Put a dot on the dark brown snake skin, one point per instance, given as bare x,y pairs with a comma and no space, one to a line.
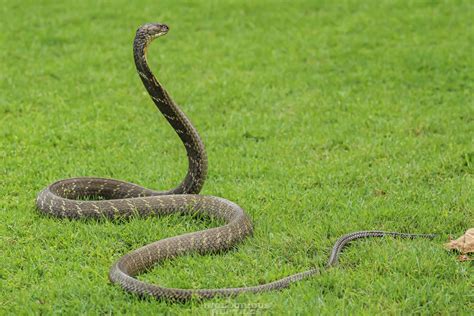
68,199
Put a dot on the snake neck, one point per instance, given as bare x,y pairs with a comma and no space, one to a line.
197,158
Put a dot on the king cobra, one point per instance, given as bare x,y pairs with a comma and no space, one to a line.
77,198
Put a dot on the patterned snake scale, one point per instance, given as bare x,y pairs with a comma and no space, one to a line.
71,198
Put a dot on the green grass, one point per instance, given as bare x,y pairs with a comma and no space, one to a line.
319,119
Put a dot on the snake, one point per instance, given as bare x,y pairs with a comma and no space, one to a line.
99,198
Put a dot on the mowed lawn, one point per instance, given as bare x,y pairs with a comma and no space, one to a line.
320,118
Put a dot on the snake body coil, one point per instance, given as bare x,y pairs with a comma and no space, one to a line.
67,199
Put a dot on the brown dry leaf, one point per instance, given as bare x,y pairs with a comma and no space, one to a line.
463,258
464,244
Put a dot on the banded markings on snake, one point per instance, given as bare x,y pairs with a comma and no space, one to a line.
71,198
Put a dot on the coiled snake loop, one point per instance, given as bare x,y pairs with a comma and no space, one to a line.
66,199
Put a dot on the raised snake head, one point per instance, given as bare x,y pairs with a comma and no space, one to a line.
153,30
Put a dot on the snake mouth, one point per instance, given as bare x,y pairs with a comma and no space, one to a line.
164,28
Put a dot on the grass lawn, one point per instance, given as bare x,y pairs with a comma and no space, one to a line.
320,118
